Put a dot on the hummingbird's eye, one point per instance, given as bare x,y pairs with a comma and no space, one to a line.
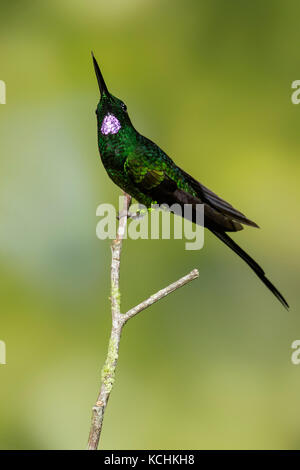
124,107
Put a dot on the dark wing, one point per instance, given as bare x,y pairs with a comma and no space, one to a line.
162,189
157,176
218,203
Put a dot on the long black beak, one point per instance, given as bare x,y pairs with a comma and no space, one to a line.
102,86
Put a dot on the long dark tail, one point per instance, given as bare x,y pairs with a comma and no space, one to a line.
253,265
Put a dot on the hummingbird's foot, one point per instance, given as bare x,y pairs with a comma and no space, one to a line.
139,214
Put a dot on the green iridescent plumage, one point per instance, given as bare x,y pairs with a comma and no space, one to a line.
132,161
143,170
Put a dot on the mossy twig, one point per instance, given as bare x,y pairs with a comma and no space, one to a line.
118,321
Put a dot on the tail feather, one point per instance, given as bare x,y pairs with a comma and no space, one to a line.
253,265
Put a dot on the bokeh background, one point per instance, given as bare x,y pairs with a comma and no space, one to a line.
210,366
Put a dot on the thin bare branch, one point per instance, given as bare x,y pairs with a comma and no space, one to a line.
108,370
118,321
160,294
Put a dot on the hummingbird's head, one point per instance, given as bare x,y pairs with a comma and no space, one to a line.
111,111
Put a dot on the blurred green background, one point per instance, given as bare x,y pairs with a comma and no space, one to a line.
210,82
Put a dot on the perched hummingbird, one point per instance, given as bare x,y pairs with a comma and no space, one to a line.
139,167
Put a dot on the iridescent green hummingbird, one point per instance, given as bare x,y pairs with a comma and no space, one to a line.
139,167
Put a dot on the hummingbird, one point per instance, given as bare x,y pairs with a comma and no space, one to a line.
144,171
